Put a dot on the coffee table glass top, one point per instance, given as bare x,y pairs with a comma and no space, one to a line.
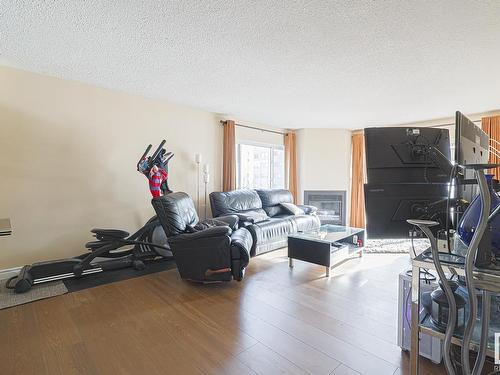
327,233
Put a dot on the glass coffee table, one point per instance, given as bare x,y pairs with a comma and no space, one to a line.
328,246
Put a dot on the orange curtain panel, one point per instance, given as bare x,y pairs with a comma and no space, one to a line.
491,125
291,165
229,157
358,179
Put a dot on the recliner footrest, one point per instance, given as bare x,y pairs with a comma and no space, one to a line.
241,244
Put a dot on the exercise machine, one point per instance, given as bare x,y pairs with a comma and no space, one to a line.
472,261
478,233
155,168
112,248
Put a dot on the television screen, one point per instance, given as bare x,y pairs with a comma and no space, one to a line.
472,147
388,206
393,155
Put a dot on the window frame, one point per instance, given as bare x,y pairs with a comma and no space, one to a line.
271,147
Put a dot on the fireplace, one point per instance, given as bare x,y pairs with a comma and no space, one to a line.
330,203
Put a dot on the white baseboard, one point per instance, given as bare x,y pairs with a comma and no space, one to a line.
9,272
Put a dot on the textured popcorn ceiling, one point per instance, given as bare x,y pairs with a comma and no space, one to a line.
345,64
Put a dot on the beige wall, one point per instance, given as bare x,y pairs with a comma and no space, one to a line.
68,152
67,161
324,160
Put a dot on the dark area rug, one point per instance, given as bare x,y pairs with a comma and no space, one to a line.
10,299
102,278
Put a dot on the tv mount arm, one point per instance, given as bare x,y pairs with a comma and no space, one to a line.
441,161
436,156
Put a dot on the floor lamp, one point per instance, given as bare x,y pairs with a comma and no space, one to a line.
206,179
197,159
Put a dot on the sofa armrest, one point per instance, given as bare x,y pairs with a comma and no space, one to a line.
230,220
251,218
241,244
308,210
242,239
245,218
221,231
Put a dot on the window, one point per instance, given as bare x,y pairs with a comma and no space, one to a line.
260,166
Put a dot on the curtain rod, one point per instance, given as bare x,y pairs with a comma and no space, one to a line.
255,128
282,133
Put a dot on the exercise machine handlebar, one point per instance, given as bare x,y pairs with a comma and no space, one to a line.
151,159
144,155
157,152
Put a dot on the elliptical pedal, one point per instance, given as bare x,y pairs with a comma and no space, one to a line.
22,282
145,251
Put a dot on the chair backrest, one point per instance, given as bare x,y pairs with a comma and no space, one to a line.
176,212
271,199
235,201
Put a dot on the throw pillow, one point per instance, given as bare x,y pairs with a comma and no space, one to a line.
292,209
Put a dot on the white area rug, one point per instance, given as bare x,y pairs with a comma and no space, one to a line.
395,246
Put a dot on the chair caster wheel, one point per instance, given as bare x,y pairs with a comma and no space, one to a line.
139,265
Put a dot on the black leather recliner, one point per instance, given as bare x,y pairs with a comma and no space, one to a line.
207,251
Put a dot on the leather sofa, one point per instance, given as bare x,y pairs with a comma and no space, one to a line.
205,251
260,212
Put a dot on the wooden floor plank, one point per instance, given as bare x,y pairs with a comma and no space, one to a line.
347,333
342,309
310,280
342,351
276,321
345,309
221,309
265,361
296,351
344,370
201,342
17,323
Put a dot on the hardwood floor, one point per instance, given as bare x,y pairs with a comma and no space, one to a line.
277,321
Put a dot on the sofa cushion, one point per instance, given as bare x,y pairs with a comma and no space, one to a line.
229,202
271,199
275,211
271,234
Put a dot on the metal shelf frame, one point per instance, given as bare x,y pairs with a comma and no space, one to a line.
484,279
